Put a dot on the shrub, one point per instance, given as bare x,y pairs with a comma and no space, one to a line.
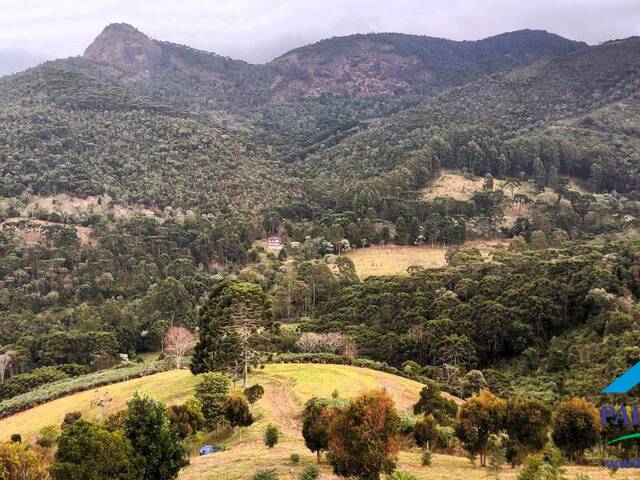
186,418
400,475
48,436
426,458
271,435
310,472
295,458
254,393
237,410
20,462
16,438
266,474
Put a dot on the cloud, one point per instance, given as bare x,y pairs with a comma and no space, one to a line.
257,31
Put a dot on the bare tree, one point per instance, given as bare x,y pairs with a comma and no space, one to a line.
334,342
309,342
177,341
6,359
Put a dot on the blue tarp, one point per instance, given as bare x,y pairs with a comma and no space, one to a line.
207,449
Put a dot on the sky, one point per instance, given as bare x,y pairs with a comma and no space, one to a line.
259,30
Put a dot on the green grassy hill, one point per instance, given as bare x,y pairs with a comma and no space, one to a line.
287,387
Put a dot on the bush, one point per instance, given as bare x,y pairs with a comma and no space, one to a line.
271,435
254,393
16,438
400,475
267,474
48,436
212,391
295,458
426,458
310,472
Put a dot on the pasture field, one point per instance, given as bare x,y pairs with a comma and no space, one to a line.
394,259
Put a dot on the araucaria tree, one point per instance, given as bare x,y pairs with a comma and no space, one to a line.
480,417
363,437
229,324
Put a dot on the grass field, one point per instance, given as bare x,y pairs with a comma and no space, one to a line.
287,387
394,259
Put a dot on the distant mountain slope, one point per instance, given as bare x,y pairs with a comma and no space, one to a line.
316,94
522,101
62,131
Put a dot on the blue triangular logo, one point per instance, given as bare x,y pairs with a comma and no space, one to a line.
625,382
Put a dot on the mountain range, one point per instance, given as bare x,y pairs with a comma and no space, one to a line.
162,124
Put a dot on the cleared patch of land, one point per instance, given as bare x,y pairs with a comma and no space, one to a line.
394,259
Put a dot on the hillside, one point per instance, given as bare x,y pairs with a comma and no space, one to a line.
501,110
287,387
65,132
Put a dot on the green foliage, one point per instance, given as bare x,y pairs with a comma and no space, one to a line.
212,391
294,458
527,423
266,474
237,410
426,458
402,475
480,417
254,393
271,435
432,402
21,462
88,451
187,418
546,466
48,436
317,417
310,472
426,432
147,426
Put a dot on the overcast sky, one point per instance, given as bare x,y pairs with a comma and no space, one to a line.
259,30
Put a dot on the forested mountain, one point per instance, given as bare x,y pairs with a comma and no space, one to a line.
313,93
500,123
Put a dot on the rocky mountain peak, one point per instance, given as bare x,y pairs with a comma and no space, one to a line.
127,49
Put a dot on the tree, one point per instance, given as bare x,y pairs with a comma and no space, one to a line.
363,437
87,451
254,393
473,382
169,299
317,416
271,435
237,410
402,231
527,423
480,417
431,402
147,426
576,426
212,391
19,462
488,182
177,342
186,418
250,310
425,431
6,360
229,323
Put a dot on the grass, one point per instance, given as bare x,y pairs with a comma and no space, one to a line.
171,386
287,387
394,259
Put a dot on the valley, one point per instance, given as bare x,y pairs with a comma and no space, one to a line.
407,256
